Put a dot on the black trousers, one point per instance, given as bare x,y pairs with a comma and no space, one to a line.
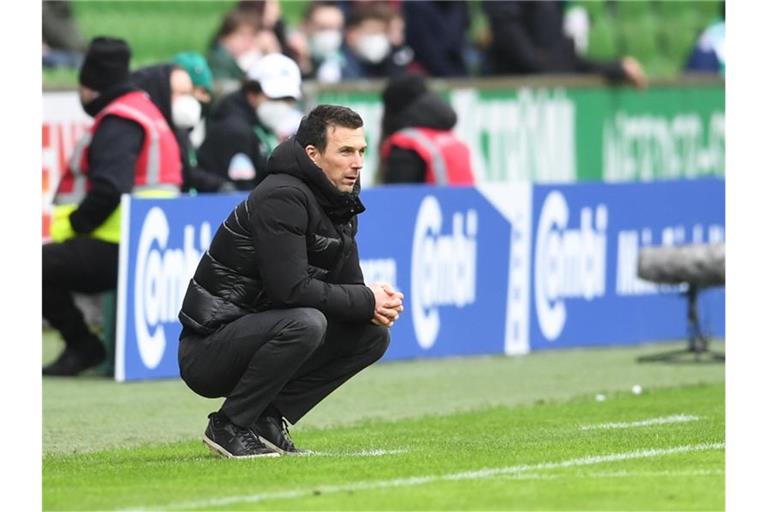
82,265
289,358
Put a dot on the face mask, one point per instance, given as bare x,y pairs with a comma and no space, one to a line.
248,59
325,43
272,114
185,112
373,47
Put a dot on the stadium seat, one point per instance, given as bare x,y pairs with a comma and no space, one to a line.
638,38
602,41
155,30
631,11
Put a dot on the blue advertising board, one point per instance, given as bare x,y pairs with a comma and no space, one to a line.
447,250
161,243
586,239
505,268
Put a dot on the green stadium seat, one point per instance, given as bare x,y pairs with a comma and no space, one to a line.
639,38
602,41
630,11
155,30
662,67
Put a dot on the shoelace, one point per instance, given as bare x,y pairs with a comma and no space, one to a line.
249,439
286,434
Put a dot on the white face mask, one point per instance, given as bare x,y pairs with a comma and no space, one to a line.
272,114
325,43
373,47
185,112
248,59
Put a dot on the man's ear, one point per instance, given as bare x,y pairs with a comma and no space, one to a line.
312,153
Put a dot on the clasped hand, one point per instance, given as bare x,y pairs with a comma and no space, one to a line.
389,304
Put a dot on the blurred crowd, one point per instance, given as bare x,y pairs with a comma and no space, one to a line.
231,106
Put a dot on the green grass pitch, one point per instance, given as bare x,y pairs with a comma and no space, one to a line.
480,433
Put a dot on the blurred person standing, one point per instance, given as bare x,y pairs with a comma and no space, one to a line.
129,149
247,124
437,33
277,315
418,144
528,38
367,50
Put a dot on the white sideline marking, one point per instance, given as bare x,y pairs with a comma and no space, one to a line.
678,418
420,480
614,474
363,453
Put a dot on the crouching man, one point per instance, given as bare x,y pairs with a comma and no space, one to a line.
277,315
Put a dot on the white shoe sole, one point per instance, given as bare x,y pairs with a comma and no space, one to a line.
220,451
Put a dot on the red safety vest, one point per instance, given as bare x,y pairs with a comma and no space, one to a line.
447,158
158,166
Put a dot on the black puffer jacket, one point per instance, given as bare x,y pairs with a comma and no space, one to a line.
289,244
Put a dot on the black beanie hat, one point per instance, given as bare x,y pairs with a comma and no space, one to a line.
402,91
105,63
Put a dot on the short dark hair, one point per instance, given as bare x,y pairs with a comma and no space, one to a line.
365,11
315,6
312,130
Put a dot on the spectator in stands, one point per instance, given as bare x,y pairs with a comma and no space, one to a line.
110,160
708,55
200,73
323,27
418,145
367,50
528,38
172,90
247,124
437,33
235,48
63,45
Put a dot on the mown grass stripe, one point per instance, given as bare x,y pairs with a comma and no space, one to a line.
426,479
677,418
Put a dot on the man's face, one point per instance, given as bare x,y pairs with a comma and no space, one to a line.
342,160
326,18
86,95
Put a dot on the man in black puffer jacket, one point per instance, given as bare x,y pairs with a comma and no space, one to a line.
277,315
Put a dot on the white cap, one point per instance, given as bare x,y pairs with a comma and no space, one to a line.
278,76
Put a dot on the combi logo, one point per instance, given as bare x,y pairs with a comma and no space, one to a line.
443,267
162,275
570,263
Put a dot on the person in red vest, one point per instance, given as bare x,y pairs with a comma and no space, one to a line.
129,149
418,145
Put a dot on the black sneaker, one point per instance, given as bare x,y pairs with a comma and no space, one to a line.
273,431
228,440
75,360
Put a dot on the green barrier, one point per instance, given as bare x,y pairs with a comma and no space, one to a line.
523,131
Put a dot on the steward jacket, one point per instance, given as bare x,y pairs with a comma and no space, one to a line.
291,243
156,81
419,146
129,148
